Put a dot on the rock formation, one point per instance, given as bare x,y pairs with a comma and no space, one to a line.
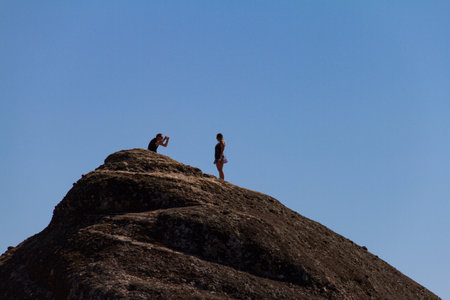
143,226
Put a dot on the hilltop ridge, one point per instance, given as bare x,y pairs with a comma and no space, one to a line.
143,225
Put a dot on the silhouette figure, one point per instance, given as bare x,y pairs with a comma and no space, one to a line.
159,140
219,157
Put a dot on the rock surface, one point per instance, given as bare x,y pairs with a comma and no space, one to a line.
144,226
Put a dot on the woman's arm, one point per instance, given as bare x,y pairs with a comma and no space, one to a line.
222,147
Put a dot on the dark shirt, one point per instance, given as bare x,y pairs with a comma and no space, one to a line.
152,145
218,151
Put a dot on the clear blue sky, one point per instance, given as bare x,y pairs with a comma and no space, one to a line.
339,109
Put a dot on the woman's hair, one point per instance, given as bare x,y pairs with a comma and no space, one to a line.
159,135
219,136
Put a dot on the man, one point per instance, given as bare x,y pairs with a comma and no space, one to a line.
158,140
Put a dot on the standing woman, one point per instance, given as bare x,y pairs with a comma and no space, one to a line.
219,158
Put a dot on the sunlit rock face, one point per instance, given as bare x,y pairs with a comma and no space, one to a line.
144,226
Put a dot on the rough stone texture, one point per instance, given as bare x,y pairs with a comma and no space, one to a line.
144,226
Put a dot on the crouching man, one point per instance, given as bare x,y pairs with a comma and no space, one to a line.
157,141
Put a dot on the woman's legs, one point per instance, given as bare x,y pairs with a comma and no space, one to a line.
219,166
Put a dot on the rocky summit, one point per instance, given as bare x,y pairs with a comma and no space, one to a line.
144,226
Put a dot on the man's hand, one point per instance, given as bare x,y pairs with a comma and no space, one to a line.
164,144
